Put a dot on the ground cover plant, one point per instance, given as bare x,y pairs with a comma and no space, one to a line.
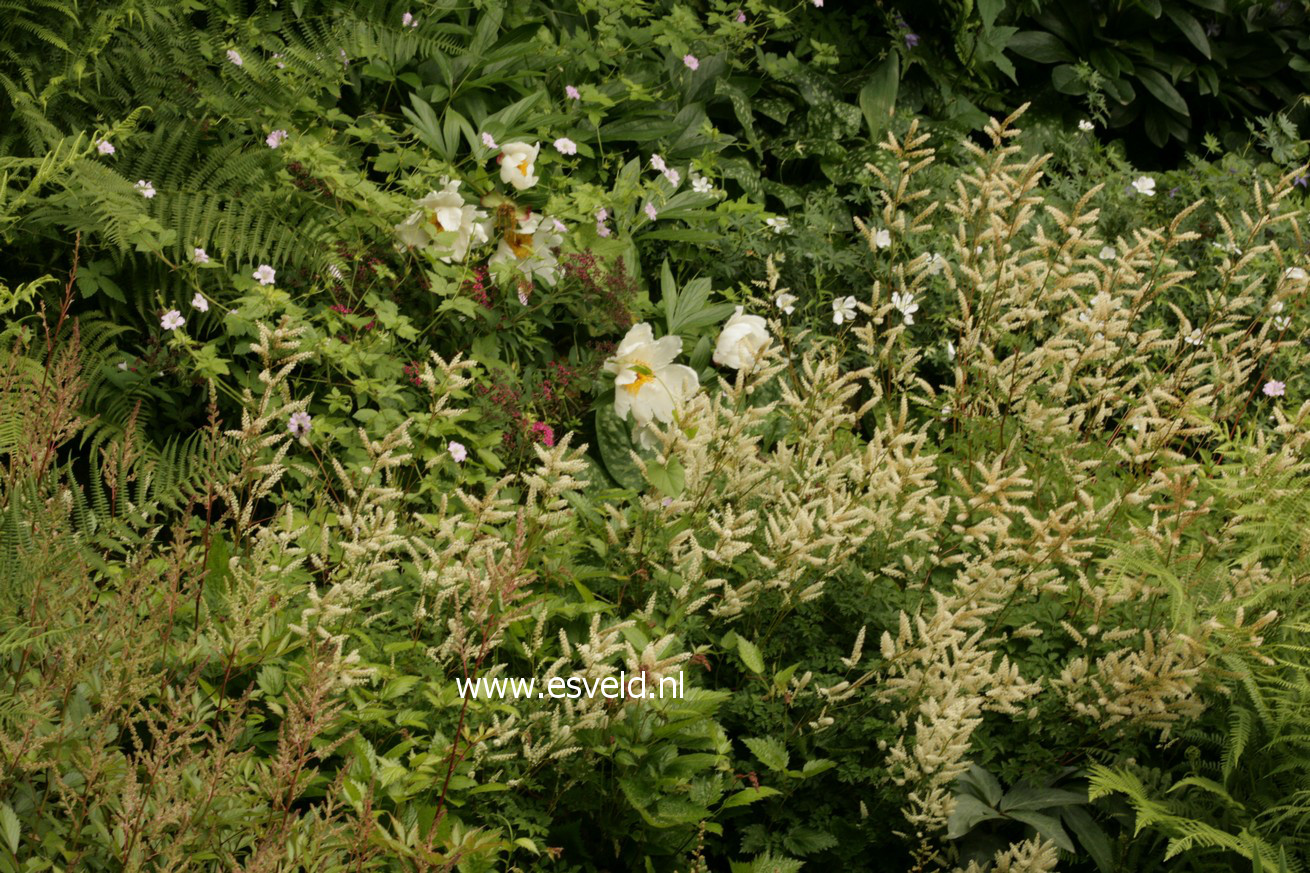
946,442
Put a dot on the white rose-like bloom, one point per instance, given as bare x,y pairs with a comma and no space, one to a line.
1144,185
530,248
446,211
648,386
517,161
740,342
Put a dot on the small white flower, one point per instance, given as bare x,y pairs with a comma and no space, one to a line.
740,342
104,147
566,146
408,20
1195,338
701,185
457,451
651,212
264,275
1296,274
274,139
145,189
936,264
560,227
489,141
843,309
882,238
786,302
777,225
904,302
1229,247
1108,253
199,302
1276,307
950,350
172,320
1085,126
657,163
1283,322
198,256
234,57
122,365
1144,185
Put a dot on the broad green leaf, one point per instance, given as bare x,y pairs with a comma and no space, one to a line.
878,96
1190,27
1039,798
1090,836
1046,825
770,750
981,784
1160,88
1040,46
669,478
969,812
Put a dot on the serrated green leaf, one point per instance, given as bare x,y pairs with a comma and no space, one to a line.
749,795
771,752
750,655
10,827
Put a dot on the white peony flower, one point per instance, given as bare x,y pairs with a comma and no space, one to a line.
530,248
786,302
843,309
1144,185
446,212
648,386
517,161
741,341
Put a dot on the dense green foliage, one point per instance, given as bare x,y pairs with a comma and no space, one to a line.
972,525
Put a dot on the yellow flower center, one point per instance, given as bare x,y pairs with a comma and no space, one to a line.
519,243
436,222
523,166
642,378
